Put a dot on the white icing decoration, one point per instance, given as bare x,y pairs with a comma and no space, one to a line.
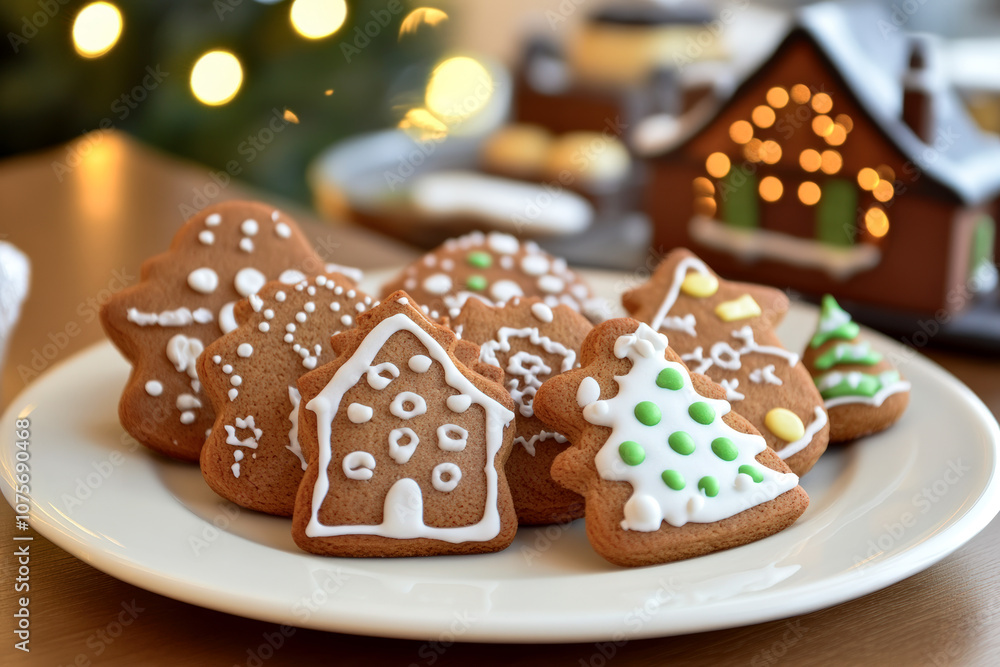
249,227
246,245
551,284
403,504
398,408
419,363
505,244
283,230
378,381
731,385
685,323
213,220
505,290
359,465
359,414
529,444
854,377
402,453
542,312
293,433
726,357
765,375
437,283
452,438
458,402
535,265
154,387
206,237
249,281
187,417
454,477
187,402
792,448
523,365
347,320
652,501
247,423
255,302
183,351
235,380
291,276
244,350
233,393
280,296
507,262
588,392
180,317
227,369
227,317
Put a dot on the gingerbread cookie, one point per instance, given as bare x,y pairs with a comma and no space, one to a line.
184,301
493,268
531,342
406,434
667,469
252,457
862,391
726,331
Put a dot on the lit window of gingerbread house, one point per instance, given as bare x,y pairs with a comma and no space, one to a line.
843,164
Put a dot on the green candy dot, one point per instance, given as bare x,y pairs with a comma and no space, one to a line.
648,413
631,452
670,378
681,442
673,479
479,259
477,283
709,485
701,412
725,449
753,472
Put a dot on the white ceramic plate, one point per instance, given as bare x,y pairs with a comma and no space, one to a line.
881,510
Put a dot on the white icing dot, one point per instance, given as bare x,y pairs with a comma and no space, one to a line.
282,230
505,290
459,402
535,265
419,363
154,388
447,264
264,326
300,317
335,306
360,307
249,227
588,392
505,244
213,220
506,262
346,320
187,402
351,294
290,328
291,276
452,438
236,380
437,283
416,401
203,280
453,473
310,307
238,454
249,281
206,237
216,358
359,465
246,245
289,338
542,312
233,393
280,296
551,284
227,317
187,417
227,369
256,303
359,414
244,350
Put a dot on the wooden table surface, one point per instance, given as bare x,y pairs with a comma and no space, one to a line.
122,203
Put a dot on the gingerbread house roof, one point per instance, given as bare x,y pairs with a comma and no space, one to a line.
870,54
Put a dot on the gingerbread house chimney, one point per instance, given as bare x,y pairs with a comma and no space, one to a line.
921,82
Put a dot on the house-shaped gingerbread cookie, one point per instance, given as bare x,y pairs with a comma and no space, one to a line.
862,391
668,470
726,331
252,456
406,434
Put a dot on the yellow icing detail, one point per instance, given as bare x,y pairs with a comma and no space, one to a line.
738,309
700,285
785,424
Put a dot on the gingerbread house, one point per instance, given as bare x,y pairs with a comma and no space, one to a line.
844,163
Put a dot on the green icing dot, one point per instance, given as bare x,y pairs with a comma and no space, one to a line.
681,442
477,283
479,259
709,485
673,479
648,413
670,378
725,449
701,412
753,472
631,452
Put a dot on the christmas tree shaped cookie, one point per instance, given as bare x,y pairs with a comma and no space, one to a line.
406,434
184,301
667,469
531,342
726,331
862,391
252,457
